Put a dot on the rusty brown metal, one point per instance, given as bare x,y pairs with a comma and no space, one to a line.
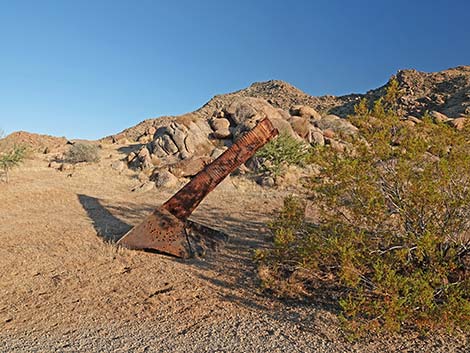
159,231
183,203
167,228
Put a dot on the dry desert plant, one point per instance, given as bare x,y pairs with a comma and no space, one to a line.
393,232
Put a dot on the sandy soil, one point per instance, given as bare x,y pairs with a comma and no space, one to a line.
64,287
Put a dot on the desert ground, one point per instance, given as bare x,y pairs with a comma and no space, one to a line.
66,287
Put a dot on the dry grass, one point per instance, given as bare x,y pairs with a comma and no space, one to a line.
57,270
57,273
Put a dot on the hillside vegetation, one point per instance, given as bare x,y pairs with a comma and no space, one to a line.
392,240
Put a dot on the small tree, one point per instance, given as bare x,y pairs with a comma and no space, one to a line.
11,159
362,108
392,95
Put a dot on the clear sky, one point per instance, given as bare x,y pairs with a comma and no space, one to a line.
86,69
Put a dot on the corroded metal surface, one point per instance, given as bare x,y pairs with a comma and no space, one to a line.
183,203
159,231
167,229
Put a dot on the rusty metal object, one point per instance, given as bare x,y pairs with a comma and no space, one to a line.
167,228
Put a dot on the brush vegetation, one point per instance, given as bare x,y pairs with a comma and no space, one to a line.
392,239
282,152
82,152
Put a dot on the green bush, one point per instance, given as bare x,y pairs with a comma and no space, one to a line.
393,235
10,159
82,152
282,151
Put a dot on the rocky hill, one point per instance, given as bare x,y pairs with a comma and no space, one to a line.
447,92
281,95
180,146
36,142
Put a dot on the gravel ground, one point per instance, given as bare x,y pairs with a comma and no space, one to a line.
63,288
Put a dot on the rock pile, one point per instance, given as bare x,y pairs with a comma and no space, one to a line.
447,92
187,144
201,136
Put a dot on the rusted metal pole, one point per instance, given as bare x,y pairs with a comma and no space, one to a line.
166,229
183,203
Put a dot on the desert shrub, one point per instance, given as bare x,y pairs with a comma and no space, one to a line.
282,151
11,158
387,104
82,152
393,233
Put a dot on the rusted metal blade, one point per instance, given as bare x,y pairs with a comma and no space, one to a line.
159,231
183,203
166,229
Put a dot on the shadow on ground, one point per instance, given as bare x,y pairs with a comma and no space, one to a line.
232,269
107,221
238,280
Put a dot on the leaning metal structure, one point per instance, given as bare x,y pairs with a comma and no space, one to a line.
168,228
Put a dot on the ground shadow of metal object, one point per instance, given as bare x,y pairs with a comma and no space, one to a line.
168,229
107,226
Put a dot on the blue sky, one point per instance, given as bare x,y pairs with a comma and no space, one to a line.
86,69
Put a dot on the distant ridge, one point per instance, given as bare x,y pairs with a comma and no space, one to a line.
446,91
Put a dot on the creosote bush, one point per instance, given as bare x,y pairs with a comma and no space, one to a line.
282,151
82,152
393,235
